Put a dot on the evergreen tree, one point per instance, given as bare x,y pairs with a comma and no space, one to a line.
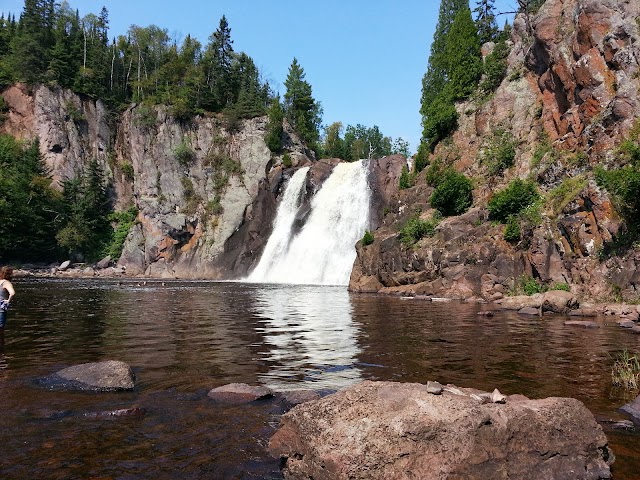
486,21
29,47
445,80
274,125
217,62
300,108
29,206
463,57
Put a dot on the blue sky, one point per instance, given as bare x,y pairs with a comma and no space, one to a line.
364,59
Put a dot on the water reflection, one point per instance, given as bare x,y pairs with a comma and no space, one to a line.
309,336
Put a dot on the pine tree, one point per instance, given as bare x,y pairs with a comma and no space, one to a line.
486,21
217,61
439,89
273,137
300,109
463,58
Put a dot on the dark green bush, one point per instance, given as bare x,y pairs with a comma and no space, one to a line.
495,67
435,172
368,238
406,179
184,153
518,195
286,160
499,152
512,231
415,229
453,196
624,186
421,160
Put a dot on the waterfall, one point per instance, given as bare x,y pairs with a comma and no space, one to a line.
323,250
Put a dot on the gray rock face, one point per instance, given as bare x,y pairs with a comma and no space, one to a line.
107,376
385,430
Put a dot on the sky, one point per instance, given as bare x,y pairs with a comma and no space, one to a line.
364,59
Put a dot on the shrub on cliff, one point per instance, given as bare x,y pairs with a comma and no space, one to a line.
368,238
453,196
415,229
499,152
517,196
624,186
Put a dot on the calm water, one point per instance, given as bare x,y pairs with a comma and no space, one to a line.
184,338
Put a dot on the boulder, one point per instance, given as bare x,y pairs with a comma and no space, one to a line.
104,263
296,397
559,301
633,410
518,302
64,265
387,430
107,376
583,312
529,311
238,393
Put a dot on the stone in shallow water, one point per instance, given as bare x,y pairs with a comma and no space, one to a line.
529,311
107,376
387,430
296,397
633,410
239,393
581,323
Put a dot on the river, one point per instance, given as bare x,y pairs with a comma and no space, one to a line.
184,338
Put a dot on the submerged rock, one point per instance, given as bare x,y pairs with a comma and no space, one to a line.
107,376
296,397
581,323
633,410
239,393
386,430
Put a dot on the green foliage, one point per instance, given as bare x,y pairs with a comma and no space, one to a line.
127,171
421,160
286,160
192,199
453,71
512,231
499,152
518,195
74,113
368,238
184,154
453,195
122,222
214,207
52,44
406,179
300,108
561,286
145,117
624,186
85,214
435,172
365,142
29,206
486,21
560,196
495,67
415,229
625,371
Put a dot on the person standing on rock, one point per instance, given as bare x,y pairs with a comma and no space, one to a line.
6,294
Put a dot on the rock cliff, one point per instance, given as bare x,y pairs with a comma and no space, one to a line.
194,184
569,98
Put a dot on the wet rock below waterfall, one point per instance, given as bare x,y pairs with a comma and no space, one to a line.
383,430
107,376
238,393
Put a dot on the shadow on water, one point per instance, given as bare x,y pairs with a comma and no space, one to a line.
184,338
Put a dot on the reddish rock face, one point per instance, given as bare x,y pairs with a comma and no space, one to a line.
573,84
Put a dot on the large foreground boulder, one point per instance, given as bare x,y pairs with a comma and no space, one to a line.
386,430
107,376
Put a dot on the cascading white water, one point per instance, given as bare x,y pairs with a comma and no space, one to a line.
279,240
323,251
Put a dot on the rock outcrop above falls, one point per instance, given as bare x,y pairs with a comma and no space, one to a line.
386,430
569,98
